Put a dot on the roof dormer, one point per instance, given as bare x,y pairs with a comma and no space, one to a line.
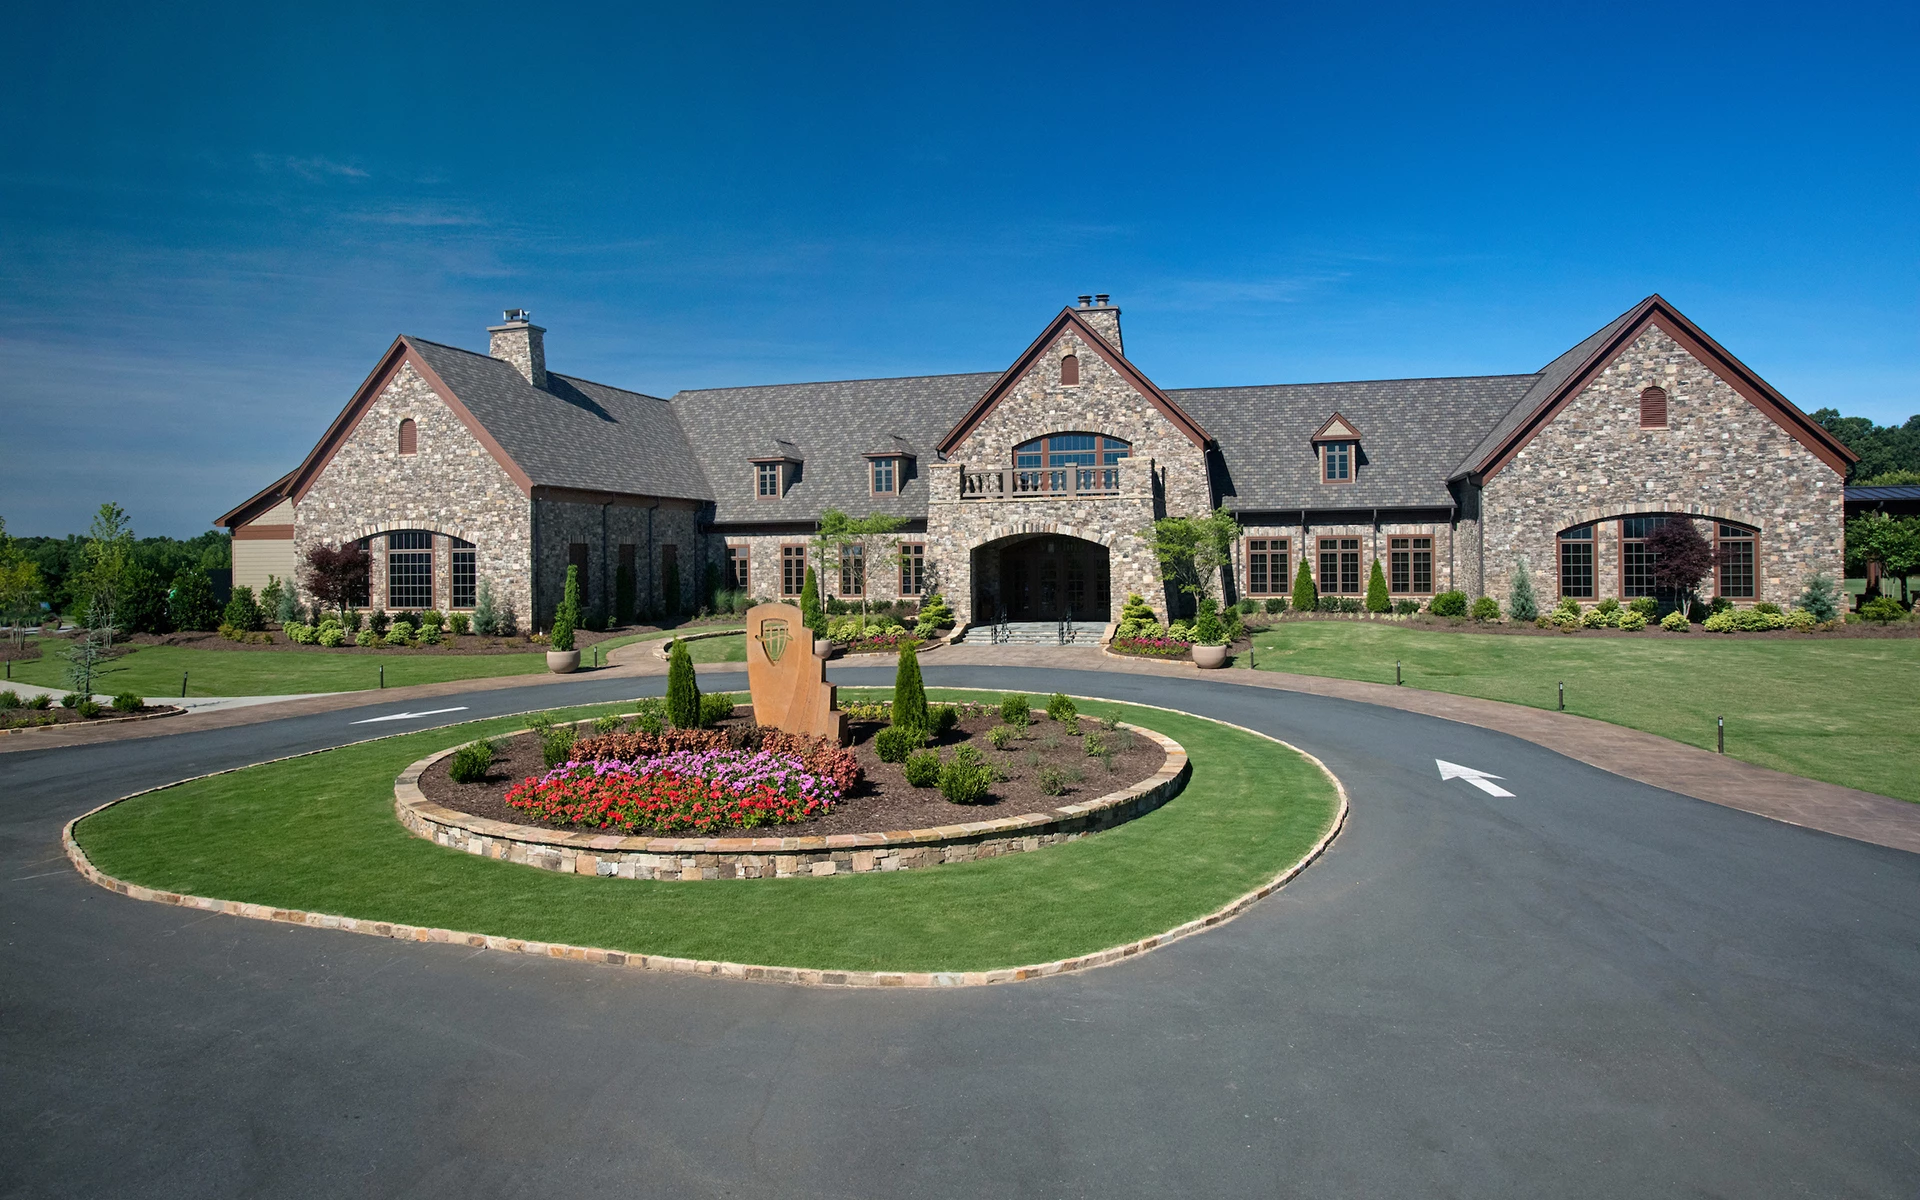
1337,445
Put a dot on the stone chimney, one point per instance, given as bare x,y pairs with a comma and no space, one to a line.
520,342
1104,316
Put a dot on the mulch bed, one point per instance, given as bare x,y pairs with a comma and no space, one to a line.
1855,627
883,801
28,718
466,644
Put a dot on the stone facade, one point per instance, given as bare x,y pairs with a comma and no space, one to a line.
450,485
1375,542
1718,457
649,527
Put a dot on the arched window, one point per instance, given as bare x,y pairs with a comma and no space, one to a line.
1069,462
1653,408
409,436
1070,369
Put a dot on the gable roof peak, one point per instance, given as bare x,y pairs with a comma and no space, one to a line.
1337,429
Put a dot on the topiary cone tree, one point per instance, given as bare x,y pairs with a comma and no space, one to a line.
1306,597
567,617
683,693
1378,601
909,695
1521,605
814,616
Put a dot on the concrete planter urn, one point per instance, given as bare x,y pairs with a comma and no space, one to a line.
823,648
563,662
1209,658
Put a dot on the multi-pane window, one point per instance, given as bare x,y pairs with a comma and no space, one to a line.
1266,566
793,569
883,471
1043,464
1636,559
737,568
1576,563
767,480
1339,461
1340,565
1736,562
1410,565
913,569
409,569
465,575
853,570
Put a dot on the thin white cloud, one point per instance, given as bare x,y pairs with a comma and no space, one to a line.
313,168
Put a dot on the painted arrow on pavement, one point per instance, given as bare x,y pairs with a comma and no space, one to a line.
1476,778
432,712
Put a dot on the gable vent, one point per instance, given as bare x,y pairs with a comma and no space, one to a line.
409,436
1653,408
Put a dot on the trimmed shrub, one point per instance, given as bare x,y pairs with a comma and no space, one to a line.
471,762
1521,604
430,634
1016,709
366,637
460,623
567,617
1819,599
683,692
1054,780
1675,622
89,708
485,619
1607,605
1698,612
1646,606
42,702
1448,604
909,695
922,768
1276,604
1768,607
1633,622
1406,608
377,622
9,699
1306,597
1002,736
1350,605
945,717
1486,608
193,605
433,618
71,700
298,634
127,702
243,611
965,778
812,615
1378,601
715,708
1800,620
1060,707
894,743
1884,609
1327,604
399,634
1597,618
1208,628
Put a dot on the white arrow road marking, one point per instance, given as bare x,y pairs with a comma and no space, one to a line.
432,712
1476,778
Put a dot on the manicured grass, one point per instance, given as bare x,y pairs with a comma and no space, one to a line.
719,650
155,670
1841,710
319,834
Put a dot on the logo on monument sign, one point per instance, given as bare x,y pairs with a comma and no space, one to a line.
773,639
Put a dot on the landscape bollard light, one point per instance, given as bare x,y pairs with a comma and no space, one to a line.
1563,696
183,685
383,676
1396,672
1722,721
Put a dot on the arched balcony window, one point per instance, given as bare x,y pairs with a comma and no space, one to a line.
1069,462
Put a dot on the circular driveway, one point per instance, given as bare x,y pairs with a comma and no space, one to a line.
1587,987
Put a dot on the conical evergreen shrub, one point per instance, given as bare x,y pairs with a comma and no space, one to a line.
567,616
1378,601
909,695
683,693
1521,606
1306,597
811,613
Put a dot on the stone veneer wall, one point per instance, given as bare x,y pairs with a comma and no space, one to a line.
604,529
1719,457
1373,542
452,485
883,563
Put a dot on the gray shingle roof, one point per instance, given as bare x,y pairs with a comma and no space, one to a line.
1412,431
575,434
830,426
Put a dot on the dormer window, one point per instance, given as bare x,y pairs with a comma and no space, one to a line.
884,470
409,436
1069,370
1337,462
1338,445
767,480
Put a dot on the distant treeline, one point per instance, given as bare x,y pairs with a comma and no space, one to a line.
1888,453
63,560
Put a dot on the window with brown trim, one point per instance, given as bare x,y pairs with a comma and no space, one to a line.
853,570
1070,370
793,569
409,569
1340,566
1733,561
766,480
913,568
1576,563
1410,565
1336,462
1653,408
739,569
883,475
1636,560
1267,573
463,573
409,436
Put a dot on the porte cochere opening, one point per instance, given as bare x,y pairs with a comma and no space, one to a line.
1042,577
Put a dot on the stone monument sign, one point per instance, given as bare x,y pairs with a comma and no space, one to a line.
788,681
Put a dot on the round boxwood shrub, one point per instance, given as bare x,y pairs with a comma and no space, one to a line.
715,708
945,717
896,743
1276,604
1015,709
1060,707
1675,622
89,708
1633,620
1884,609
127,702
1486,608
471,762
1448,604
966,778
922,768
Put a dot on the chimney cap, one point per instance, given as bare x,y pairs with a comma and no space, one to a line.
1086,301
1100,301
516,314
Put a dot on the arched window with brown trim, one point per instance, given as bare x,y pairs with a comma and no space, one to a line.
1653,408
409,436
1070,370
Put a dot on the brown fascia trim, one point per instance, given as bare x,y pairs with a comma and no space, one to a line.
1068,318
776,458
889,454
400,354
263,533
257,503
1321,435
567,495
1654,311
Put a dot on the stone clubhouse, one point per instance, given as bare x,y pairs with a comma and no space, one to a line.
1026,492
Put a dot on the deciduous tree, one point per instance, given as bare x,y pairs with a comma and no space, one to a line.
1681,557
336,575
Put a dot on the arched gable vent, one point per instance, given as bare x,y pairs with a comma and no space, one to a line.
409,436
1070,369
1653,408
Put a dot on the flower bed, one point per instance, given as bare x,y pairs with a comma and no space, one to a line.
1150,647
686,791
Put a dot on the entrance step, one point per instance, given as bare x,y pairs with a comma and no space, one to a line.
1029,633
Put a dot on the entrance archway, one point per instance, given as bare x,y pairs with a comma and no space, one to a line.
1043,577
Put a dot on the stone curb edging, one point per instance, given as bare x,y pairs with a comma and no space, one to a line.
709,858
663,647
810,976
172,710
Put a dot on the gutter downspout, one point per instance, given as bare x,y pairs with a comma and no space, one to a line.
533,567
606,607
651,508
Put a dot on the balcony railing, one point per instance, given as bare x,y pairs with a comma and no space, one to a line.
1047,483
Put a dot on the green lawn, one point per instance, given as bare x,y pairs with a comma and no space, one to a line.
319,834
156,670
1838,710
719,650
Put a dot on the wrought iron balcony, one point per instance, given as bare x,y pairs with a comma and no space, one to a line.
1048,483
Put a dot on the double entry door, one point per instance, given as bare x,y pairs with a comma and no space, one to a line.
1054,577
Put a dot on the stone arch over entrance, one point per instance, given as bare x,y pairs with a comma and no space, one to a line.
1043,574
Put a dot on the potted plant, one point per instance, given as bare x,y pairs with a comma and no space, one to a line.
1209,636
562,657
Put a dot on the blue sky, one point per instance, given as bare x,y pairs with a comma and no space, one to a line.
213,220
